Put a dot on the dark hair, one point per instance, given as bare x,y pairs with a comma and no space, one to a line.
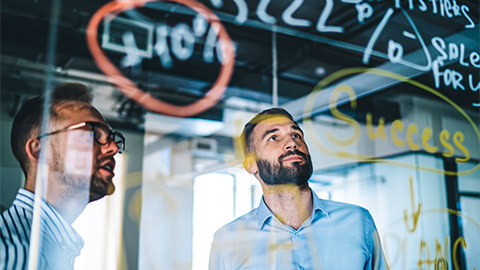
262,116
29,117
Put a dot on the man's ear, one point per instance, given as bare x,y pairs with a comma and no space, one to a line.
250,163
32,148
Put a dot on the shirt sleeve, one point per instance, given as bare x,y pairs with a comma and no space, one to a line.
377,259
217,260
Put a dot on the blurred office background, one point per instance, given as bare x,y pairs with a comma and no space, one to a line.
387,93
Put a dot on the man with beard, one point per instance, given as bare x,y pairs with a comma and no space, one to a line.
292,228
78,147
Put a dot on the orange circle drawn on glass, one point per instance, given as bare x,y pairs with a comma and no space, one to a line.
131,90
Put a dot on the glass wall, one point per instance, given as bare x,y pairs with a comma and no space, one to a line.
386,93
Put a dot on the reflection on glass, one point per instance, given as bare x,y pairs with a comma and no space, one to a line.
387,98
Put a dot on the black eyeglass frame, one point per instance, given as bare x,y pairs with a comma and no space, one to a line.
112,135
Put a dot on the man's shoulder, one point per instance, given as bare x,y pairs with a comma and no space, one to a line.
15,227
340,209
342,206
242,223
14,215
14,241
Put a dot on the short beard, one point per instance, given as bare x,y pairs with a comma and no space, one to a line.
75,182
99,189
72,188
298,174
81,184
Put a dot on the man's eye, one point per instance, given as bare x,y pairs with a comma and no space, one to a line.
296,136
273,138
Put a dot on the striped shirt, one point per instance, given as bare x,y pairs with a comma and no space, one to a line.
59,242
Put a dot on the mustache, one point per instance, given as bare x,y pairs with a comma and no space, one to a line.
293,152
102,160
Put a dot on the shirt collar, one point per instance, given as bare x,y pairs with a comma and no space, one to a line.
264,214
62,232
318,207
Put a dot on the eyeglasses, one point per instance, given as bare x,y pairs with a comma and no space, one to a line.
101,133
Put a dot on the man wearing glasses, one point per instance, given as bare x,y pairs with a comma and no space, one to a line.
79,148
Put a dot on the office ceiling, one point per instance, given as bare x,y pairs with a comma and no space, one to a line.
314,39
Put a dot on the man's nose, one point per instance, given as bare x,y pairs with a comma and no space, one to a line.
110,148
290,144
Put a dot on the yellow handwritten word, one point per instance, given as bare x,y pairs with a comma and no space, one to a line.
412,132
424,260
402,134
441,253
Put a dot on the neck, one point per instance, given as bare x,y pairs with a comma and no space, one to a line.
291,204
69,203
69,209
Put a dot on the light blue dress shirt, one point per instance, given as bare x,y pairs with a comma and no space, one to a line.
60,243
336,236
